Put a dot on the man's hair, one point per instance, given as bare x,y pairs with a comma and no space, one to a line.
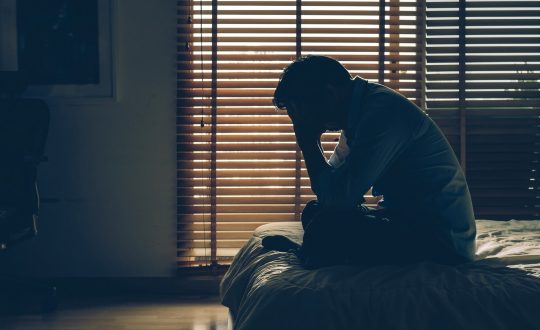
306,77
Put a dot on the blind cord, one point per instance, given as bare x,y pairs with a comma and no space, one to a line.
202,124
202,58
202,130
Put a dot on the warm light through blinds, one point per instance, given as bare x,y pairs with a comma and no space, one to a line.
483,89
256,173
243,169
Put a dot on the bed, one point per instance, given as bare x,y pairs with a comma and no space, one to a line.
500,290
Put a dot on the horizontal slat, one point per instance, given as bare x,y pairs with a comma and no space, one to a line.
260,65
254,137
491,66
275,74
484,85
285,11
233,120
478,4
247,190
222,244
194,84
486,103
484,23
279,3
222,236
278,47
224,39
453,31
471,94
190,124
356,21
449,131
239,146
234,217
252,208
239,208
431,76
453,41
242,56
494,57
187,204
201,175
252,182
221,226
474,49
256,155
264,95
516,94
472,14
290,172
520,153
196,31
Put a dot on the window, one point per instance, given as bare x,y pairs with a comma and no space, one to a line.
242,168
483,89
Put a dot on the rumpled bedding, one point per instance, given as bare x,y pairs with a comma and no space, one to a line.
500,290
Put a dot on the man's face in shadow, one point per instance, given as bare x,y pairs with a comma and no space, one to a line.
326,112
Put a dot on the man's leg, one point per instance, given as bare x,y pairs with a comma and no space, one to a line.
356,237
361,236
309,212
416,241
327,235
284,244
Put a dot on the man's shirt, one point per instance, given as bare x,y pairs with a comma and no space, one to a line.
393,146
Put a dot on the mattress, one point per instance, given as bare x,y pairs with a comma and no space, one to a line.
500,290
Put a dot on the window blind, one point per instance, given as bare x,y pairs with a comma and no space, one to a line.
483,62
242,168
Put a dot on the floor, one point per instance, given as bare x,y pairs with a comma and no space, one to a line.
112,313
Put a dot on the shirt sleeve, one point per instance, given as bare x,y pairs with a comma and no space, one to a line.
379,139
341,151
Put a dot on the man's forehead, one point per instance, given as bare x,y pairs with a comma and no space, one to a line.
293,107
295,104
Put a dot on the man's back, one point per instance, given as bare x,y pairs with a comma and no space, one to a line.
391,145
419,175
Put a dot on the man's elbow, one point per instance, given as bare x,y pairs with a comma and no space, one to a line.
317,191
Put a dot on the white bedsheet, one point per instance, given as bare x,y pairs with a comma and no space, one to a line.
501,290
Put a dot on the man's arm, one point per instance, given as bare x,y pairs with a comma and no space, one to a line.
377,142
318,167
312,151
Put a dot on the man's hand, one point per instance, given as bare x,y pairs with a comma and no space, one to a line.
306,133
308,136
305,130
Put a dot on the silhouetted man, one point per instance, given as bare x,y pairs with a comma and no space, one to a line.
387,143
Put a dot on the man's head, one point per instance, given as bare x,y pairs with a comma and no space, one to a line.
314,89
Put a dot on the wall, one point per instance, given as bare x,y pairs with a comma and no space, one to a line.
112,164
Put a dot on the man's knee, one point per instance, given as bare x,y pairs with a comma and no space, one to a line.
309,212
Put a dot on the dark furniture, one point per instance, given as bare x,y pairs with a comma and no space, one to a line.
23,132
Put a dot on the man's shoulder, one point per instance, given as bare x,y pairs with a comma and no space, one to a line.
383,97
381,104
